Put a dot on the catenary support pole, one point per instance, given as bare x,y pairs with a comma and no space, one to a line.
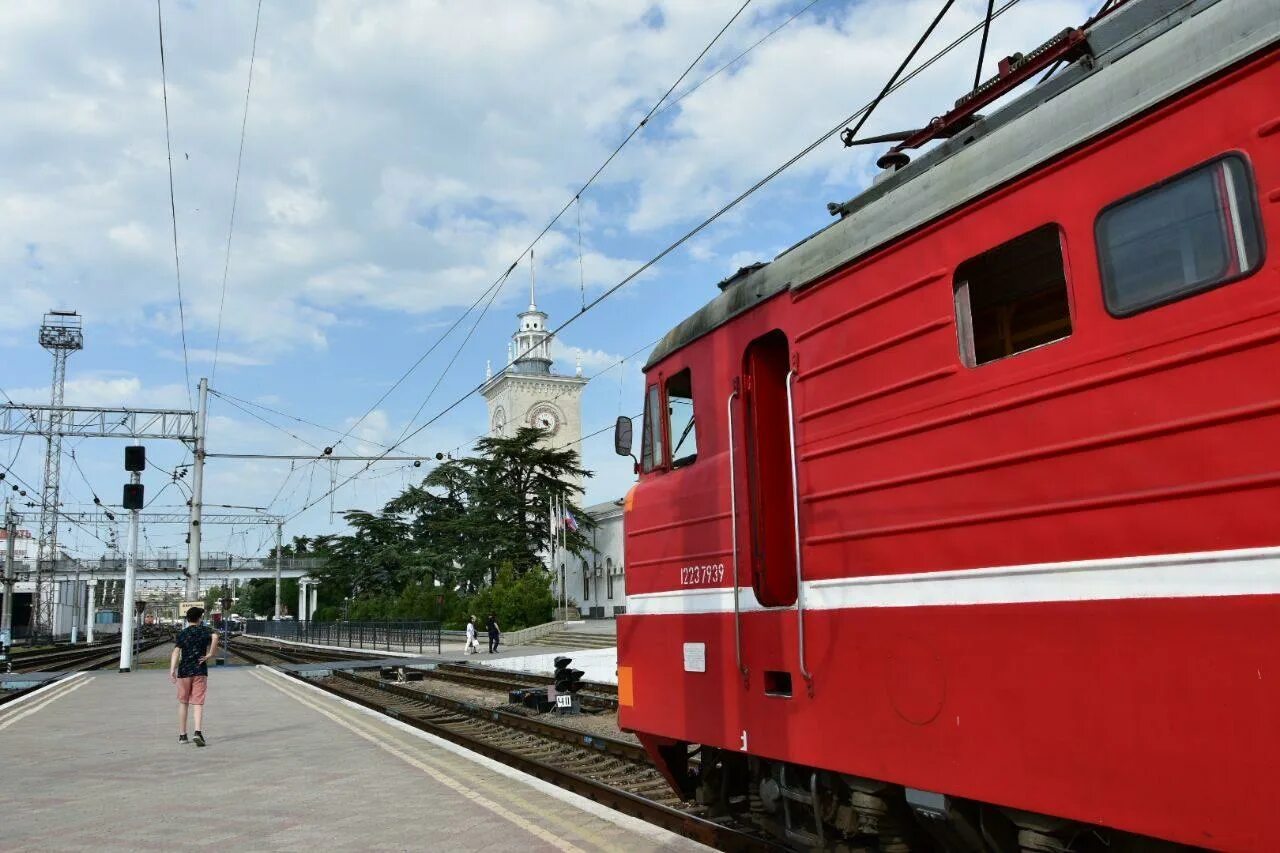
130,581
91,612
279,545
197,496
11,534
302,600
77,589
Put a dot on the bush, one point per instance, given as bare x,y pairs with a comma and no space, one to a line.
517,601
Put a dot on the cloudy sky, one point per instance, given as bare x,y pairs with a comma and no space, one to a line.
398,157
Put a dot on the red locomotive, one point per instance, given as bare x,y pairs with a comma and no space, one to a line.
958,524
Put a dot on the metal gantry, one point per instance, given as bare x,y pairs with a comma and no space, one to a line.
61,334
95,422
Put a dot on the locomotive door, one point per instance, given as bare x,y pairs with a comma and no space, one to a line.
767,447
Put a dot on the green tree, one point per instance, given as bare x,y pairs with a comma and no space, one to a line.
445,543
258,597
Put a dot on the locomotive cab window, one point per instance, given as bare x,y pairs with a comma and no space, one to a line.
1012,298
1193,232
652,453
680,421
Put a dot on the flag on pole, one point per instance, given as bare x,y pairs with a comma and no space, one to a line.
570,522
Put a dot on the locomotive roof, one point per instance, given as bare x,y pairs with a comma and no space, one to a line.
1142,54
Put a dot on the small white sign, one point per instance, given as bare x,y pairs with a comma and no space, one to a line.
695,657
564,701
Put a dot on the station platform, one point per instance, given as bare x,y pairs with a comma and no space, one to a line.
93,763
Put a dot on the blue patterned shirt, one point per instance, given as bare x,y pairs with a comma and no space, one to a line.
194,641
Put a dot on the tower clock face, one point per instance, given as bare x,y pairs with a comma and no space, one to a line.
546,421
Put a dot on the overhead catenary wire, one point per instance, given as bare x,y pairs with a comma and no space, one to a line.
173,208
732,62
497,283
32,491
235,194
92,491
408,424
229,397
608,369
859,116
274,426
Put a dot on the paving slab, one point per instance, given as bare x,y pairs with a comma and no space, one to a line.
93,763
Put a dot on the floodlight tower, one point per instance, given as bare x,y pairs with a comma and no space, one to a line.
61,334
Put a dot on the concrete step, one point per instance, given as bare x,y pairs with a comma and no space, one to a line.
576,640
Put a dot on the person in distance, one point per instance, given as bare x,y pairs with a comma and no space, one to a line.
494,633
473,645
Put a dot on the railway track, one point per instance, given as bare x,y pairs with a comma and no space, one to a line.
614,773
594,695
76,658
260,653
68,661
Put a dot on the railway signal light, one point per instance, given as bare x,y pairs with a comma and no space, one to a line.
567,680
135,458
132,496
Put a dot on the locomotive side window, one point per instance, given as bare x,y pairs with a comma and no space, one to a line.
680,422
652,454
1012,298
1190,233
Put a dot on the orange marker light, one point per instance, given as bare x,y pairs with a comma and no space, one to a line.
626,697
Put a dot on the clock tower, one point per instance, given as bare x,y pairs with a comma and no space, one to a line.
528,393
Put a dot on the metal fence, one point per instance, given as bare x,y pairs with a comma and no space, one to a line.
421,637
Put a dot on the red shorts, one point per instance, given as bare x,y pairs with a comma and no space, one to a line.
191,690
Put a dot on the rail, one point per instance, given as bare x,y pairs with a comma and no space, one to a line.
422,637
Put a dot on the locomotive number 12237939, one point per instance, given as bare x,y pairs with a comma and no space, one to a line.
699,575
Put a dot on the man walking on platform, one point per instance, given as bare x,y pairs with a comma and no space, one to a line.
189,670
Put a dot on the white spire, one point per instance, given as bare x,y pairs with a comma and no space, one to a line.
578,363
488,369
533,282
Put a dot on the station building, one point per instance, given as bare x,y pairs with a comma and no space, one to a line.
528,392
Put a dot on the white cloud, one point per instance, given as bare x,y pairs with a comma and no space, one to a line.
132,236
592,360
105,389
205,356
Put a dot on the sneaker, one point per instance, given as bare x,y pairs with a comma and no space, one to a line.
183,739
198,740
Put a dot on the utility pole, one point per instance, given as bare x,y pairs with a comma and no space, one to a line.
134,462
197,496
61,334
279,546
75,609
91,615
11,534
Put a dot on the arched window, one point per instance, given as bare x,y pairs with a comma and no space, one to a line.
608,573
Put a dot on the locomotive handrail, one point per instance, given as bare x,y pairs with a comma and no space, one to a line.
733,523
795,507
